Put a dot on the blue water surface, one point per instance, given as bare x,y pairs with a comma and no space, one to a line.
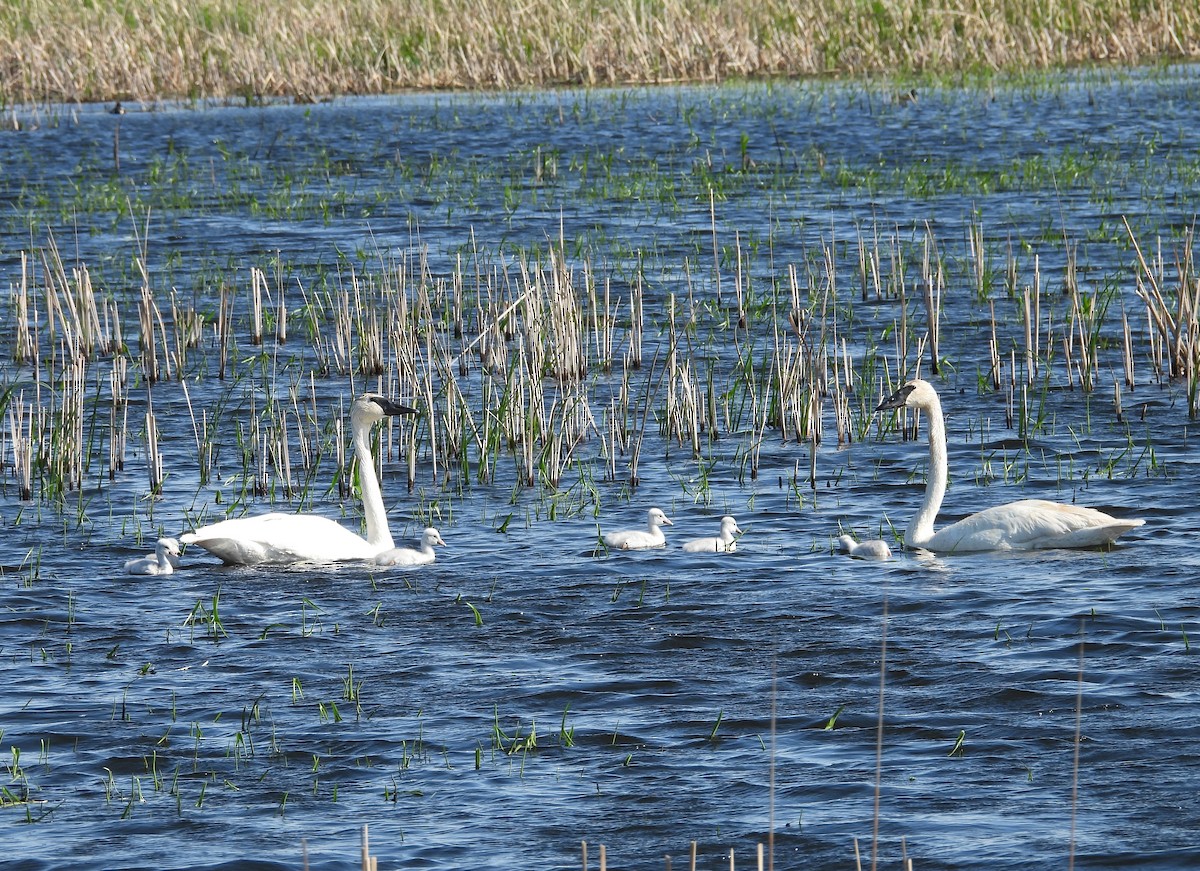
526,693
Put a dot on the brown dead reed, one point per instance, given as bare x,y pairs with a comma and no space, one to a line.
151,49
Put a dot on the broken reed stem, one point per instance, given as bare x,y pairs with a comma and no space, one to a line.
258,281
994,349
20,426
118,417
1127,357
934,281
369,862
25,346
153,458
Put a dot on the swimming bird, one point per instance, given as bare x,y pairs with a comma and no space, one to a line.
1029,524
293,538
639,539
875,548
407,556
163,561
173,556
172,553
723,543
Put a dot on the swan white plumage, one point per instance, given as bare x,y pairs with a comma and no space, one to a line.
639,539
407,556
1029,524
725,542
163,561
172,553
875,548
293,538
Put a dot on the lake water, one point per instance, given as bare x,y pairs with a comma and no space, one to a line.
525,694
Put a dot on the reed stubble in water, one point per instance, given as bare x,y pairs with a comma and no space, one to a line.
168,48
543,365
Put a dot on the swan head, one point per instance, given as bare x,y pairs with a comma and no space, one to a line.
372,407
657,518
917,393
431,537
729,526
846,544
168,546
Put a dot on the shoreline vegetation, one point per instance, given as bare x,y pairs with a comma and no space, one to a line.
145,50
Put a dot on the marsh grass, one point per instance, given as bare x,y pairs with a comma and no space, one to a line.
170,48
524,358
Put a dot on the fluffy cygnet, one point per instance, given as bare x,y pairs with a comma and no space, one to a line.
876,548
163,561
726,542
639,539
407,556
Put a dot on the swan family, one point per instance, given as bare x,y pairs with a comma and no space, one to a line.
280,538
1028,524
298,538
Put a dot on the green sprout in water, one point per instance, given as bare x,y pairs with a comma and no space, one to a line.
957,749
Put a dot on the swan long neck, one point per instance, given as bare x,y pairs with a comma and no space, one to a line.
378,533
920,528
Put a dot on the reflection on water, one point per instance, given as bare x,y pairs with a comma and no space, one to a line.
522,694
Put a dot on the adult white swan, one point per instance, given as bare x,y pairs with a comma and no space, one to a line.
163,561
1030,524
407,556
726,542
639,539
293,538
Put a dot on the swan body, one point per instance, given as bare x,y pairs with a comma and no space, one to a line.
407,556
640,539
726,542
163,561
1029,524
292,538
875,548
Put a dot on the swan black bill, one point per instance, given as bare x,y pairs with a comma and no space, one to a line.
389,407
896,400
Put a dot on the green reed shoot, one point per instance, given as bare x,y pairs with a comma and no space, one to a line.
832,721
712,735
958,748
327,711
566,736
208,616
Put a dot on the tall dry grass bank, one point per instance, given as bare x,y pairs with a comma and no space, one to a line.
69,50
